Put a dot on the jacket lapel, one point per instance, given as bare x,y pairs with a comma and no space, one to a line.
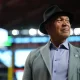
73,59
45,52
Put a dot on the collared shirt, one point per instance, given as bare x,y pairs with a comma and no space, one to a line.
59,61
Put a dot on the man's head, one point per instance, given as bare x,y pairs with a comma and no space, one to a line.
58,28
50,15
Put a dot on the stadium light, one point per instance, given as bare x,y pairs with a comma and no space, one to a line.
32,32
15,32
77,31
41,34
71,31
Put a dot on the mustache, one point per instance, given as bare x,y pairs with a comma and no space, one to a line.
66,25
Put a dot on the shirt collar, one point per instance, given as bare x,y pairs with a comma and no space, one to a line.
64,45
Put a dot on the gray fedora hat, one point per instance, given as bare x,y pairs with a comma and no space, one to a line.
51,12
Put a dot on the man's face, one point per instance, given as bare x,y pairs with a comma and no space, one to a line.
60,27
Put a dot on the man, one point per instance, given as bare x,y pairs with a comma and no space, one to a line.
58,59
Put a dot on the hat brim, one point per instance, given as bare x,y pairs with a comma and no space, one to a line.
42,25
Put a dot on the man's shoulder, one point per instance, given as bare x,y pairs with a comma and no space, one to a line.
36,51
75,48
34,54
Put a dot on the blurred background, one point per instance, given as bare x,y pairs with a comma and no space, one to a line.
19,34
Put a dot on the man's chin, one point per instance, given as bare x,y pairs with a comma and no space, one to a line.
65,36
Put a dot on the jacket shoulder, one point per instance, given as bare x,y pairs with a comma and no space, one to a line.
76,48
34,54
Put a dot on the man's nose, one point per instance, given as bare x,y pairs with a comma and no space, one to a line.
64,22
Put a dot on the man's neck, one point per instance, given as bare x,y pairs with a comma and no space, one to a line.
57,42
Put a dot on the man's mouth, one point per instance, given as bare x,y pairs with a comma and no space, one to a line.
65,30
